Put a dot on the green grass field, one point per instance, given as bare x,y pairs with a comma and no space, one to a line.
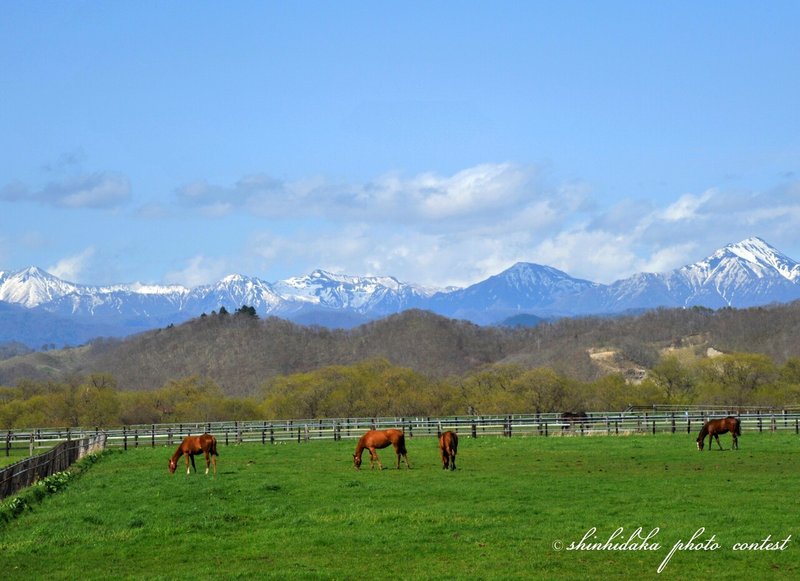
510,511
18,452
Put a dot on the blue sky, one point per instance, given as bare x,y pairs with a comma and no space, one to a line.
439,143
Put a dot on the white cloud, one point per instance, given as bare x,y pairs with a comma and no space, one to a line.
458,229
198,271
687,206
427,197
476,190
669,258
71,267
95,191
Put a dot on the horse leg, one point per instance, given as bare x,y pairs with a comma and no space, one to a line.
405,457
208,463
718,444
373,457
453,460
735,442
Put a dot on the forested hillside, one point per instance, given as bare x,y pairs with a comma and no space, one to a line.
240,352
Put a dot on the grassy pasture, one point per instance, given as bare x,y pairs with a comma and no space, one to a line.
509,512
19,451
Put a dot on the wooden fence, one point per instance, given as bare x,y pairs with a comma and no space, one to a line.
28,471
66,445
303,430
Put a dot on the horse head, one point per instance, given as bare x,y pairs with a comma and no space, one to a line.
357,461
173,464
700,444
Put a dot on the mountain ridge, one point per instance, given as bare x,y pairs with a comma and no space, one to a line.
744,274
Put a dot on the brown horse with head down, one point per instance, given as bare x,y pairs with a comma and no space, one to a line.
376,439
713,428
448,446
192,446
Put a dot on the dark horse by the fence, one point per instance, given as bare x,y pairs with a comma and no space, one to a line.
193,445
381,439
713,428
448,446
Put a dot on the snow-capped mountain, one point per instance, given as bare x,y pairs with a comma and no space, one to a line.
32,287
232,292
744,274
523,288
360,294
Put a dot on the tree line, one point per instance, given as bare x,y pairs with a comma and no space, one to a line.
376,387
240,352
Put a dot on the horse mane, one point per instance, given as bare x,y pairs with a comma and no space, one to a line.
703,432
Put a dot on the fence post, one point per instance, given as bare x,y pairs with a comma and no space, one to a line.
136,438
153,436
271,434
474,429
124,438
673,422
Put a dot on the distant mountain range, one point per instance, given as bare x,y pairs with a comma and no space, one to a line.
41,310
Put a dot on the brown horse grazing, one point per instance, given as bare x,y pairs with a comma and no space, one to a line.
193,445
713,428
380,439
448,446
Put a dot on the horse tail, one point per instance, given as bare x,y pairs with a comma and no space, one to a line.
401,444
214,446
738,427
